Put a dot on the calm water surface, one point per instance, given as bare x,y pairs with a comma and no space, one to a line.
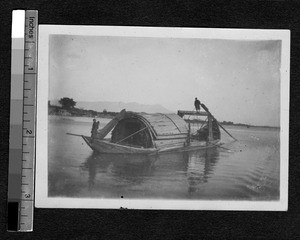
245,170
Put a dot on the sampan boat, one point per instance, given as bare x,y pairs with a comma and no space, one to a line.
144,133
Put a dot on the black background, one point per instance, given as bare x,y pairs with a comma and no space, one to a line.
127,224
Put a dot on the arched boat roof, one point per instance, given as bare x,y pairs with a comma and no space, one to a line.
161,124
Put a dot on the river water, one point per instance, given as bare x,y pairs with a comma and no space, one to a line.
248,169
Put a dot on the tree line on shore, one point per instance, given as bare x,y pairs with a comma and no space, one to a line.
68,108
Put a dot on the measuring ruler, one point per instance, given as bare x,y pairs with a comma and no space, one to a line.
22,121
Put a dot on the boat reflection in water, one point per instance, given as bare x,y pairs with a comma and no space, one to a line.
173,175
106,169
199,168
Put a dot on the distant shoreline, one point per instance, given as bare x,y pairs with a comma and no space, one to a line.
224,123
76,112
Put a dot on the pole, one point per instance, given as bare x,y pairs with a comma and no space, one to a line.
206,109
131,135
189,135
72,134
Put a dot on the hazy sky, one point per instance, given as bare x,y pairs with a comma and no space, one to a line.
238,81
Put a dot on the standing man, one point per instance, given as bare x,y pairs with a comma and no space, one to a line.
197,105
94,129
98,124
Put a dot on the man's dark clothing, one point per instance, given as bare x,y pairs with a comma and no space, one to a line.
197,104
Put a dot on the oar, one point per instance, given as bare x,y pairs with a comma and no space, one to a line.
206,110
77,135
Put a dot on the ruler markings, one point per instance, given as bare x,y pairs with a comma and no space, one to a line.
15,152
24,207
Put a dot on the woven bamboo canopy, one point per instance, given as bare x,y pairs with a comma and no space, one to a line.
146,129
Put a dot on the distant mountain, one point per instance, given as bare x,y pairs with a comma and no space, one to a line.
118,106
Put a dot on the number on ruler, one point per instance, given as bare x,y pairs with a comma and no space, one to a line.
27,195
29,131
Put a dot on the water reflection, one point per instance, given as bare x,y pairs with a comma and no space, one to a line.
200,167
129,169
129,173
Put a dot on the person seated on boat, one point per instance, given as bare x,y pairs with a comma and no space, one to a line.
197,104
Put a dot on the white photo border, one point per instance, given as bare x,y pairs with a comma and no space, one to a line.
41,184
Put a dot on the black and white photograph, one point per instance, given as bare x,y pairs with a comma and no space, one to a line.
162,118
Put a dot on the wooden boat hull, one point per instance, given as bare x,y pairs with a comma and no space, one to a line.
104,146
194,146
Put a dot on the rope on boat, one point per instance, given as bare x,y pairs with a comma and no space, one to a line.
131,135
